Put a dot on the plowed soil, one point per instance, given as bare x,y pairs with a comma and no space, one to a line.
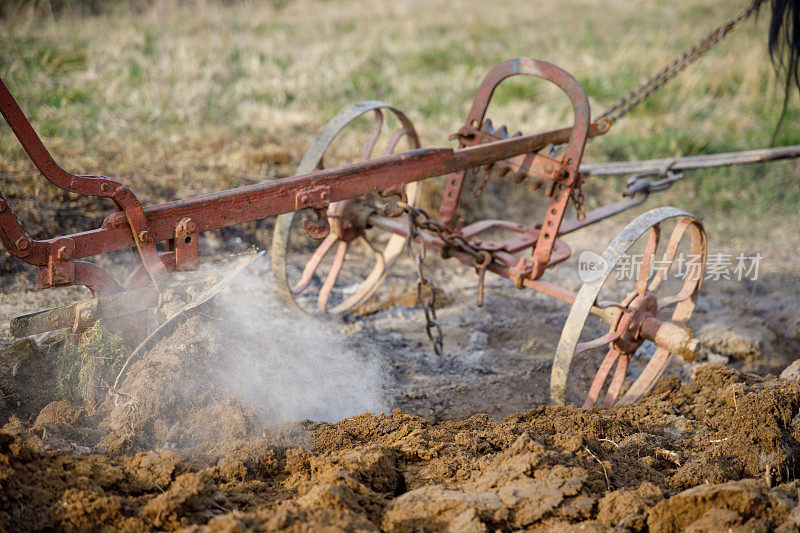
719,451
470,445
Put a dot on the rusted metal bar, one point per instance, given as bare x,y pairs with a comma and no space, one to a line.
30,141
252,202
693,162
601,213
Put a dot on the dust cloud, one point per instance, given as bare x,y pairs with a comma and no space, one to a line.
289,365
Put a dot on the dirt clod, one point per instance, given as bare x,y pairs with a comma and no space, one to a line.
175,446
720,450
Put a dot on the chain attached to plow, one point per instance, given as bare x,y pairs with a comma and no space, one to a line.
420,220
432,326
638,95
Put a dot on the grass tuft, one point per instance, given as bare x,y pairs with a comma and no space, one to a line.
85,370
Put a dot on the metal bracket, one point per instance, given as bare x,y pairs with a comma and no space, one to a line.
141,233
186,244
318,197
60,269
14,237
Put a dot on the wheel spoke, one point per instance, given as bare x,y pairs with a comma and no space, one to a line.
377,126
647,259
649,376
391,144
600,377
366,287
693,275
676,298
616,382
669,253
333,275
313,264
631,296
598,342
603,304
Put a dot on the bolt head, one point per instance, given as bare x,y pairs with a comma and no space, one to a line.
22,243
191,226
73,184
104,187
144,236
64,253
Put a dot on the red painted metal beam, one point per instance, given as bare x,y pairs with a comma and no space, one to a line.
253,202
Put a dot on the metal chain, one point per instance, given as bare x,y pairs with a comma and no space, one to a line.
578,200
432,326
418,220
422,220
635,97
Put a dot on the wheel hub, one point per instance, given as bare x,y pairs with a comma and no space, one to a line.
630,323
348,219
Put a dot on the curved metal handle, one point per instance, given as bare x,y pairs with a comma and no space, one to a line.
101,186
549,72
577,139
52,171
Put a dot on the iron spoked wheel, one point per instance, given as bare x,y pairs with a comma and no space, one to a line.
338,273
625,309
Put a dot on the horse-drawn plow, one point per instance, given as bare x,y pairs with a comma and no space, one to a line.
382,193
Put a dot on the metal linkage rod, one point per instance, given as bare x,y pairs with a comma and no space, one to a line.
660,166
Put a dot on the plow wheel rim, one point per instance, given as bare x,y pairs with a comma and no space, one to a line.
684,300
384,259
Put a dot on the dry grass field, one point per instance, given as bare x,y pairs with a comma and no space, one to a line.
183,97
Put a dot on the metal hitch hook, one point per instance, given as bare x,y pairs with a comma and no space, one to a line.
643,183
481,266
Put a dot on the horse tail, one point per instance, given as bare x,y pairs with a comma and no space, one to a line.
784,40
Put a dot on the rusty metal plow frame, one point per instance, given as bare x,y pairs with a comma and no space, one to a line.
179,222
331,193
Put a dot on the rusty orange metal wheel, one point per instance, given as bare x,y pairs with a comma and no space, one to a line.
355,244
639,314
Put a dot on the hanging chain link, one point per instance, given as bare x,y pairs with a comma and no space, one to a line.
419,220
579,201
635,97
432,326
453,242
